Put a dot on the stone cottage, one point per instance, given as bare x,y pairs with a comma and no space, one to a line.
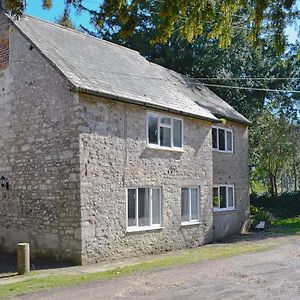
104,155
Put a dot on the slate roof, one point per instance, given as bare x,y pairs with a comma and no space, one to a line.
99,67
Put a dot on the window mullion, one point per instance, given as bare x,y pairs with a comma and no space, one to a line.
198,203
172,134
158,131
227,197
190,203
219,197
147,128
160,206
150,206
218,139
137,207
182,132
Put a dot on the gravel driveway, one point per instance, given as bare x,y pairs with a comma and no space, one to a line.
273,274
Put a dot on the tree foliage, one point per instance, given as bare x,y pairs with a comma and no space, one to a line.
275,145
65,20
212,19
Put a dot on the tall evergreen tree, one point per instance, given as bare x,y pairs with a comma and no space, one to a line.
193,18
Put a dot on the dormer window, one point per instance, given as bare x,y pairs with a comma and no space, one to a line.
164,132
222,139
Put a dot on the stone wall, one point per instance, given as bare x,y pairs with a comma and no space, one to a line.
114,156
232,169
39,154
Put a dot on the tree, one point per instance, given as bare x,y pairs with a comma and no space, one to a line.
211,19
65,20
274,144
293,161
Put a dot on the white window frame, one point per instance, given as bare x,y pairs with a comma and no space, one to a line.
158,146
151,226
226,143
191,221
233,195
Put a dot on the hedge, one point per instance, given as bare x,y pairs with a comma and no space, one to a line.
287,205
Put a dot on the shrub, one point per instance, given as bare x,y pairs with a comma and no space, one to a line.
287,205
258,215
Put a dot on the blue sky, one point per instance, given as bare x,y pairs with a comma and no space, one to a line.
35,9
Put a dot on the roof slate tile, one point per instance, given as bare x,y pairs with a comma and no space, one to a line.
98,66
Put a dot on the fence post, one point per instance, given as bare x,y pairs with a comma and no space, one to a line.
23,258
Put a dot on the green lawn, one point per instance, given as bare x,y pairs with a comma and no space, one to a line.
35,284
288,226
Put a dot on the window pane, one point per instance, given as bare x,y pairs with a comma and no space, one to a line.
177,133
153,130
230,196
229,140
215,197
165,136
184,204
221,139
195,204
165,121
143,206
131,207
215,138
156,206
222,196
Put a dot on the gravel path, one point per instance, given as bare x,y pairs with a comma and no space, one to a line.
273,274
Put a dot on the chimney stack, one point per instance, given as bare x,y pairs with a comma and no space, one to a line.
4,38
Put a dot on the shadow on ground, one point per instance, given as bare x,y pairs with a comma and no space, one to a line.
8,264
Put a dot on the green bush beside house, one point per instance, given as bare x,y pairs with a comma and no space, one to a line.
283,211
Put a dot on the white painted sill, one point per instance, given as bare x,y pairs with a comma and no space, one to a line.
156,147
222,151
143,228
220,210
190,223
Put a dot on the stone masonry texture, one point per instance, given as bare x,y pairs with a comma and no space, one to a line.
114,157
39,150
232,169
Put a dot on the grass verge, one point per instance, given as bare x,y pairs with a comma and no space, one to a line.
286,226
35,284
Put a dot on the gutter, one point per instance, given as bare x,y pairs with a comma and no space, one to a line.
141,103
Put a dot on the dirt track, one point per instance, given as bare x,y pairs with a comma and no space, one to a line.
273,274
